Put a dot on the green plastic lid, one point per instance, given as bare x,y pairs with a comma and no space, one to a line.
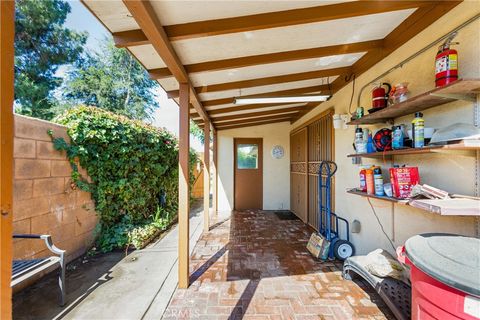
451,259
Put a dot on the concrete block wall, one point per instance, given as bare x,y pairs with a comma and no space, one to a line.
45,200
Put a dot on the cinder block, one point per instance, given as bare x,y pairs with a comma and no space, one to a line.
69,216
48,186
31,168
44,224
83,197
26,248
21,226
23,148
36,129
22,189
60,203
61,168
28,208
84,222
62,232
45,150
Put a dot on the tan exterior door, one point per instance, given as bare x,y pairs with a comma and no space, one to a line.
248,173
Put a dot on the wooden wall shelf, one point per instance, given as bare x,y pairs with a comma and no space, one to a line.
385,198
464,146
447,207
462,89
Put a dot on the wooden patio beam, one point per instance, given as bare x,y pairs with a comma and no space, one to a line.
206,177
279,108
409,28
146,18
251,124
276,57
285,18
215,172
274,80
253,120
184,187
216,102
7,18
129,38
252,107
256,114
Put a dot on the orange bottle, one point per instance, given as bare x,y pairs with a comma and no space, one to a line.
370,181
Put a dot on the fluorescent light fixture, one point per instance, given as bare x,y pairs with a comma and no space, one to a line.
286,99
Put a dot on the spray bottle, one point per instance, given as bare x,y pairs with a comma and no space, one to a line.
418,125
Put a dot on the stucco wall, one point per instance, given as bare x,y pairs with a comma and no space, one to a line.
452,172
44,200
276,172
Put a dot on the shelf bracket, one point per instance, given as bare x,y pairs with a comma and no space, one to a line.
456,96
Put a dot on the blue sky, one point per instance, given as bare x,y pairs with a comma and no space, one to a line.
81,19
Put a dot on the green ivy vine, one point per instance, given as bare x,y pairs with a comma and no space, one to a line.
131,167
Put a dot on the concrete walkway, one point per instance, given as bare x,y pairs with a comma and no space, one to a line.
141,285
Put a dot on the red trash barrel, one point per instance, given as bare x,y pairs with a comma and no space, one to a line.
445,276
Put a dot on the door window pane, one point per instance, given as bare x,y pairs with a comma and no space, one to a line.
247,156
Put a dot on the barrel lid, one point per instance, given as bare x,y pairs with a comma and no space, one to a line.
451,259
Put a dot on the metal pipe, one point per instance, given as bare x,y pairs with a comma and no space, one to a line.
416,54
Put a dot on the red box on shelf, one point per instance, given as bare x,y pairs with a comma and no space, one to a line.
402,180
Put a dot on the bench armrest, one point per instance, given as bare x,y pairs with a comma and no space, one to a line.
48,241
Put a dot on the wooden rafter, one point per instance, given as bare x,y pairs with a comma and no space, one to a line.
276,57
255,108
146,18
410,27
251,107
217,102
255,114
285,18
245,121
129,38
273,80
243,125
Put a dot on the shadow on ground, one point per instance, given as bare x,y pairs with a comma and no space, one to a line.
84,275
40,301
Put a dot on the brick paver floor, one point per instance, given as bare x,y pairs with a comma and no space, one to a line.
256,266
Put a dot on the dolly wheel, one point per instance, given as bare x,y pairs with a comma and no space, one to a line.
343,249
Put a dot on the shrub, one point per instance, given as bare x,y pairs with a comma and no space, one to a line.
130,165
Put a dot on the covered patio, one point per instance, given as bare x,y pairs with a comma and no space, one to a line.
207,55
255,266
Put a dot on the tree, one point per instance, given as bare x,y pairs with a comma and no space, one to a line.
197,132
42,44
112,80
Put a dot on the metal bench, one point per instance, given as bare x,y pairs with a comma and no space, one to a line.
26,269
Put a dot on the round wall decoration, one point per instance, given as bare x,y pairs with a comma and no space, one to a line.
278,152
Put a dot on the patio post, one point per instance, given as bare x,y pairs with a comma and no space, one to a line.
183,187
7,17
214,174
206,177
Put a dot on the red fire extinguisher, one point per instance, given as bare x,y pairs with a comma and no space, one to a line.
380,95
446,63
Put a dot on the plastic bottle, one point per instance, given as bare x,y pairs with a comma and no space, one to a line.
363,180
418,125
369,180
378,181
360,144
370,146
397,135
